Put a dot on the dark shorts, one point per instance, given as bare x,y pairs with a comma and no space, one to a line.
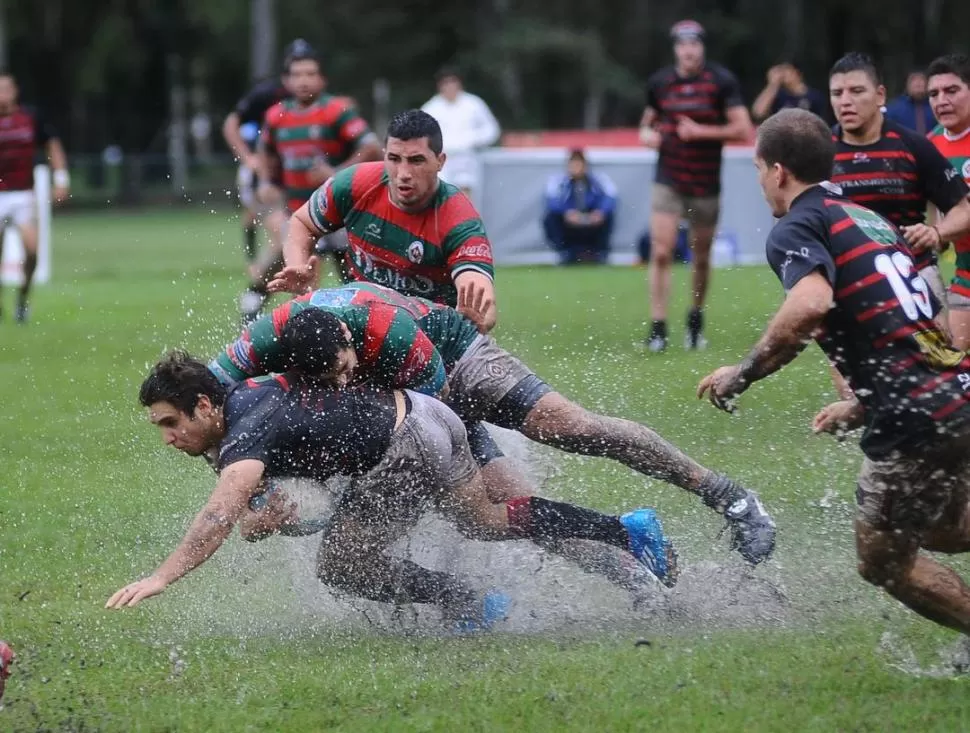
917,492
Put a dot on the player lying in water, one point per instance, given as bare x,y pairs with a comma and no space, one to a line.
405,453
364,333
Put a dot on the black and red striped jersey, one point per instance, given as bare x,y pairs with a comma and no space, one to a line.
22,133
880,333
691,168
897,176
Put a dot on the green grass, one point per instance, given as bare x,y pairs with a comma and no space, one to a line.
90,500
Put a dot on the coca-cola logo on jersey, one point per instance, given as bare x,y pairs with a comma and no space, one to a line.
479,251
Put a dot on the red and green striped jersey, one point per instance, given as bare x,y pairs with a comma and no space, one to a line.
417,254
449,331
956,149
392,351
328,130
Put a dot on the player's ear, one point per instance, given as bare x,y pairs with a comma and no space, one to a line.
441,160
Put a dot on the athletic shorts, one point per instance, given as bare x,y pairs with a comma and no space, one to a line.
931,274
18,208
427,460
489,384
957,301
702,211
335,242
246,188
917,492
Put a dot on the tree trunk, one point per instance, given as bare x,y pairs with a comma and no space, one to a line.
262,19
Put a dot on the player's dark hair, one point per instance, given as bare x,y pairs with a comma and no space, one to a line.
414,124
299,50
856,61
180,380
800,141
447,72
953,63
311,341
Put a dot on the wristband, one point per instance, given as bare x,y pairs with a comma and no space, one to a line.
62,179
939,237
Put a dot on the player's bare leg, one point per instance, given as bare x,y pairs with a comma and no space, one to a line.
563,424
664,228
959,323
28,235
890,559
701,241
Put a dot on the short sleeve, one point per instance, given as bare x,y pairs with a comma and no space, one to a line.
943,185
330,203
798,248
730,89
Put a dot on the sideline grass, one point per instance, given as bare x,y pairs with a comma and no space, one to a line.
91,499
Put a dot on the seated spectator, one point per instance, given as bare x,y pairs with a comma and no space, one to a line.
579,212
786,88
912,109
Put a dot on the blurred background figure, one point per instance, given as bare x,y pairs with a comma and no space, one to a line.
912,109
467,126
787,88
579,211
25,135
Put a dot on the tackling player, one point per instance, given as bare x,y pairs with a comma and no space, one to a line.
22,132
407,229
406,453
308,138
851,284
487,384
949,95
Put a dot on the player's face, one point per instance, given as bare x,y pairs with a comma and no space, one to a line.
576,168
304,80
449,87
856,99
689,53
770,178
412,171
8,92
191,434
950,100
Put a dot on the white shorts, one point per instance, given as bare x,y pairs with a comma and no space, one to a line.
18,208
246,188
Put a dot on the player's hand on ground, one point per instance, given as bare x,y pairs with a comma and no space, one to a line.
135,593
723,385
839,418
475,300
296,279
921,237
687,129
61,194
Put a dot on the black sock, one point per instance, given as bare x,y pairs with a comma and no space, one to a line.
249,242
695,320
719,492
415,584
658,329
539,518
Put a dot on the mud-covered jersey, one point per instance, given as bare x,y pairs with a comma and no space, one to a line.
23,133
449,331
328,131
691,168
956,149
880,334
417,254
392,350
306,431
896,176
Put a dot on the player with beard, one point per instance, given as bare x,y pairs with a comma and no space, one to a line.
406,453
308,138
949,95
892,170
851,285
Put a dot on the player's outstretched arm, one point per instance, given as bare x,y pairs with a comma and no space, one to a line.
60,176
789,332
300,270
476,299
237,483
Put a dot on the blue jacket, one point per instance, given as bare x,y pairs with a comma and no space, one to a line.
904,111
563,193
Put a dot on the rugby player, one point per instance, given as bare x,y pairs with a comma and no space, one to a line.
406,453
23,132
307,137
693,108
407,229
892,170
344,336
852,285
949,95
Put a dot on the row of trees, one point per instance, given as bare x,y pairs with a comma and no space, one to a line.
104,69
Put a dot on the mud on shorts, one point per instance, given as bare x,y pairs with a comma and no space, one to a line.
957,301
918,491
427,459
702,211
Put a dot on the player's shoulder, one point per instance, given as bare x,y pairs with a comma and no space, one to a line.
720,74
256,391
662,77
910,138
364,175
338,105
455,200
276,112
